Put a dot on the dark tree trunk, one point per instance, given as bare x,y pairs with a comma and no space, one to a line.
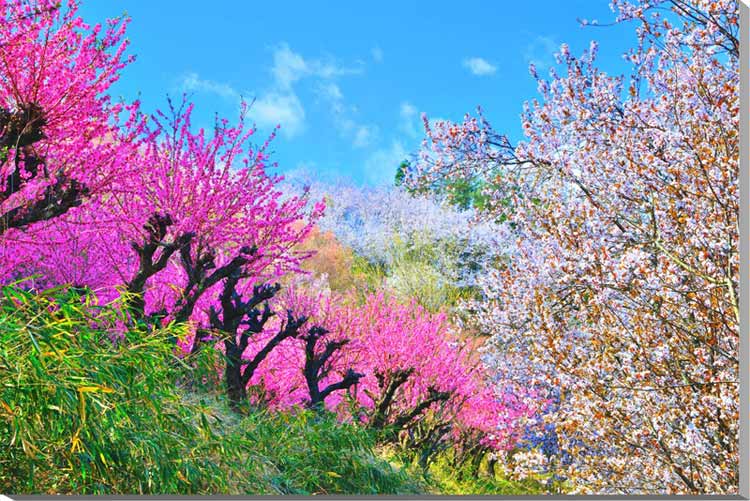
235,387
388,385
491,462
239,320
150,261
316,368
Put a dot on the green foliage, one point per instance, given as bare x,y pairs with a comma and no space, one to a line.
464,193
371,274
467,193
417,269
89,407
448,479
401,173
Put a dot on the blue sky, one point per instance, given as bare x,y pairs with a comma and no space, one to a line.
348,81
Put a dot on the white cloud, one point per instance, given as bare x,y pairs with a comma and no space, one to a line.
361,134
365,135
377,54
280,104
408,109
280,109
479,67
289,67
332,95
276,107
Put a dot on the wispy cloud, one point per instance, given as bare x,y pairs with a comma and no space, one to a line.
274,109
280,104
377,54
360,134
191,82
541,52
289,67
331,92
479,66
364,135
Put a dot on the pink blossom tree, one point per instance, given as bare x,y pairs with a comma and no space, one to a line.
151,209
187,236
196,210
60,137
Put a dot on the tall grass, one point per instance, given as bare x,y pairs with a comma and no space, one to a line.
444,476
89,408
314,454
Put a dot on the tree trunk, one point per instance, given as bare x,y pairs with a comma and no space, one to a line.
236,391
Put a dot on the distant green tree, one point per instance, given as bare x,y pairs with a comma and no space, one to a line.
401,172
463,193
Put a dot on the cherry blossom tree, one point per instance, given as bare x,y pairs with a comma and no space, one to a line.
622,290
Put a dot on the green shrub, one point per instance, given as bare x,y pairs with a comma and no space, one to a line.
414,271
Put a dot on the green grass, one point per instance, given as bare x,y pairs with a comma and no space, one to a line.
446,479
311,453
82,413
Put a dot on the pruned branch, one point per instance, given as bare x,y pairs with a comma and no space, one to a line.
199,281
149,264
289,329
236,314
315,367
434,396
388,387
